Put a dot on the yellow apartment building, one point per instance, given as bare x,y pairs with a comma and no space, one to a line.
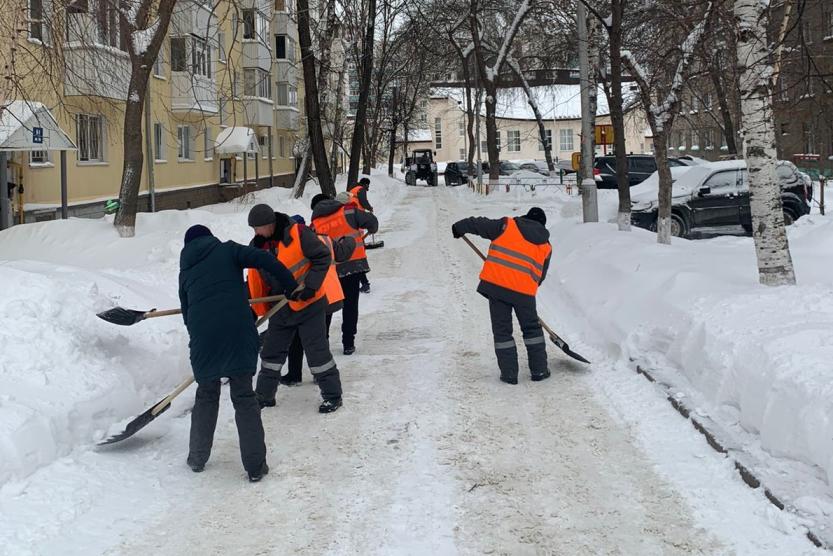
226,72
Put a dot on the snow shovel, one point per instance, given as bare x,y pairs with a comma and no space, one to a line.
129,317
162,405
373,244
556,339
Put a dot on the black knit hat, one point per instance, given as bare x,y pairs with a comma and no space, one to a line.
196,231
317,199
537,214
365,182
261,215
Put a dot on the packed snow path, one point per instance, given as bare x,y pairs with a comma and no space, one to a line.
430,454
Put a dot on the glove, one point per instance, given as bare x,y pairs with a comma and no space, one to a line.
455,231
303,295
258,241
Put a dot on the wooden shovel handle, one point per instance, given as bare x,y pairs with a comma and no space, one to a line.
169,312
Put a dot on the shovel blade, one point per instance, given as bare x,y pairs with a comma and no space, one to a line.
374,245
562,345
137,424
122,316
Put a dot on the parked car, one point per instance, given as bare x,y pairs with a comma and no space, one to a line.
537,166
640,166
456,172
715,195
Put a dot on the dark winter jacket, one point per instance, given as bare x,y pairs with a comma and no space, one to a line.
312,248
214,304
342,250
490,229
358,219
363,201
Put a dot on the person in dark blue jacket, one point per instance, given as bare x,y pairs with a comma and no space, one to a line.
223,340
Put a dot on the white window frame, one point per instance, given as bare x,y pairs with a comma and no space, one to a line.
547,138
90,137
282,146
263,146
40,158
108,34
513,140
257,83
497,140
175,58
39,29
185,148
462,154
461,127
438,133
566,141
159,143
200,57
159,63
221,47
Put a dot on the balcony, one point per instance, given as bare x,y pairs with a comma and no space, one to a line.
285,71
256,55
96,70
193,18
258,111
193,93
286,118
285,26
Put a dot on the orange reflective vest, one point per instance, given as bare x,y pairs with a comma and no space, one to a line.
335,226
354,195
513,262
331,286
292,257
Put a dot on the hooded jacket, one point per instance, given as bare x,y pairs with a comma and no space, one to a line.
487,228
312,248
360,220
213,296
361,197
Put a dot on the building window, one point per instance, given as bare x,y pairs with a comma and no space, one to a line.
179,55
208,144
707,101
809,139
38,157
255,25
90,138
38,28
257,83
222,112
284,48
158,142
462,154
200,57
785,129
282,146
280,5
263,144
565,140
807,32
183,139
829,26
547,138
708,140
235,83
513,137
108,25
221,47
461,127
497,140
438,133
158,64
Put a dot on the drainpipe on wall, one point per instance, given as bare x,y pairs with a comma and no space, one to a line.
149,154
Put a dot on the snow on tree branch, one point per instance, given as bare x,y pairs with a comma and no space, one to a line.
523,9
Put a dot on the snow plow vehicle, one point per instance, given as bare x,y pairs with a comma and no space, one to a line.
422,167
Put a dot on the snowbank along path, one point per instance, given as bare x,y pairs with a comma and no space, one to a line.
430,454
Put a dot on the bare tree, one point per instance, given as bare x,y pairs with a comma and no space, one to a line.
365,75
660,87
772,248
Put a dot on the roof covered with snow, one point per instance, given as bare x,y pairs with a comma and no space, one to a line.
234,140
416,136
30,126
560,102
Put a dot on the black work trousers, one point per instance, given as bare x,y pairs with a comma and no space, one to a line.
310,326
533,334
350,313
246,415
295,359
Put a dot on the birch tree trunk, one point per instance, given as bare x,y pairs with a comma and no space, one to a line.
772,248
542,134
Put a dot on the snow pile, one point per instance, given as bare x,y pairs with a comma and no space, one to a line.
760,356
66,376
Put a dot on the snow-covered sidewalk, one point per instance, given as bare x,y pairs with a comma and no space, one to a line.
431,454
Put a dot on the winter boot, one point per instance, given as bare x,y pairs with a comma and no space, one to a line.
509,379
365,288
263,402
196,467
542,376
349,350
286,381
255,476
328,406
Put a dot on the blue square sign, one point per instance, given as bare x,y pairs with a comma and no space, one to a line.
37,135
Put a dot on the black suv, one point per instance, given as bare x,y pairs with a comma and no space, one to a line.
456,172
716,195
640,166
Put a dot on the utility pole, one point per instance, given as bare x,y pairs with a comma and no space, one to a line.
589,199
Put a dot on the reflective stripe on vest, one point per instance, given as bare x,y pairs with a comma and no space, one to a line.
331,286
336,226
515,263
